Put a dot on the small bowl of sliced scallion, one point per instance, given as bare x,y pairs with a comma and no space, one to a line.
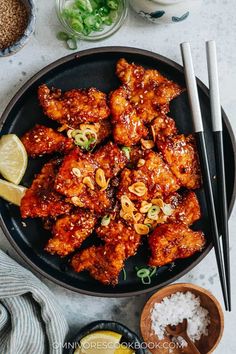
90,20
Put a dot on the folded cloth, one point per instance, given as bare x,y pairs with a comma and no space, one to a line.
31,322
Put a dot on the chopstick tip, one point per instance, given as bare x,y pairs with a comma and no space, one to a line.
184,44
211,43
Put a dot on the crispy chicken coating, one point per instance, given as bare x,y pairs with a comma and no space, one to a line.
75,106
174,208
155,176
117,232
41,140
104,130
172,241
128,127
186,208
72,184
41,199
162,127
150,92
70,231
104,263
78,179
111,159
136,153
180,152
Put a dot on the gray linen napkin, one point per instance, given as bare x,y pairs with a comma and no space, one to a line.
31,322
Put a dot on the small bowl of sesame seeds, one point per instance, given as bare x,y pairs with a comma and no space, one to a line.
17,23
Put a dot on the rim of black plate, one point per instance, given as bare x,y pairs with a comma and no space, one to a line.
77,56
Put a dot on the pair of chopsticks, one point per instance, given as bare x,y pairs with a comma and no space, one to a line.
223,262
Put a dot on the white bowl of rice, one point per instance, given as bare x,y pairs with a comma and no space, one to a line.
170,306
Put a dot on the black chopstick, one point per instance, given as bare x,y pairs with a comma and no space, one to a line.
219,156
200,139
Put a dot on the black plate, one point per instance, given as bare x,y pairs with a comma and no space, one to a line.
96,67
129,338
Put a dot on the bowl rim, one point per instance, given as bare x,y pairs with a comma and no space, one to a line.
76,56
168,2
189,287
15,47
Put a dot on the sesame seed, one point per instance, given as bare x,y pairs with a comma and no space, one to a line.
13,21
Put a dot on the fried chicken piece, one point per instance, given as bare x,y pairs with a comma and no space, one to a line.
150,92
104,130
186,208
111,159
117,232
70,231
128,127
41,140
41,200
104,263
162,127
136,153
75,106
134,76
77,176
169,242
180,152
175,208
154,174
86,195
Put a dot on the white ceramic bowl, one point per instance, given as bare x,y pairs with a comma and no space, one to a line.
165,11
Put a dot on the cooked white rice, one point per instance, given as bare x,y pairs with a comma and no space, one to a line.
174,309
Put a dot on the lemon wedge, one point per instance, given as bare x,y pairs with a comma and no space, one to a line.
99,342
11,192
124,350
13,158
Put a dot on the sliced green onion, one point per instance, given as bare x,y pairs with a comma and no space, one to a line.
90,142
75,132
62,36
113,15
75,13
153,212
90,21
91,136
84,5
147,281
72,43
81,140
103,11
87,31
153,271
69,13
107,20
124,274
126,150
84,138
106,220
95,4
77,25
143,273
113,4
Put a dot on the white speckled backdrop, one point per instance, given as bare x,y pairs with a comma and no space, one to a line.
217,20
